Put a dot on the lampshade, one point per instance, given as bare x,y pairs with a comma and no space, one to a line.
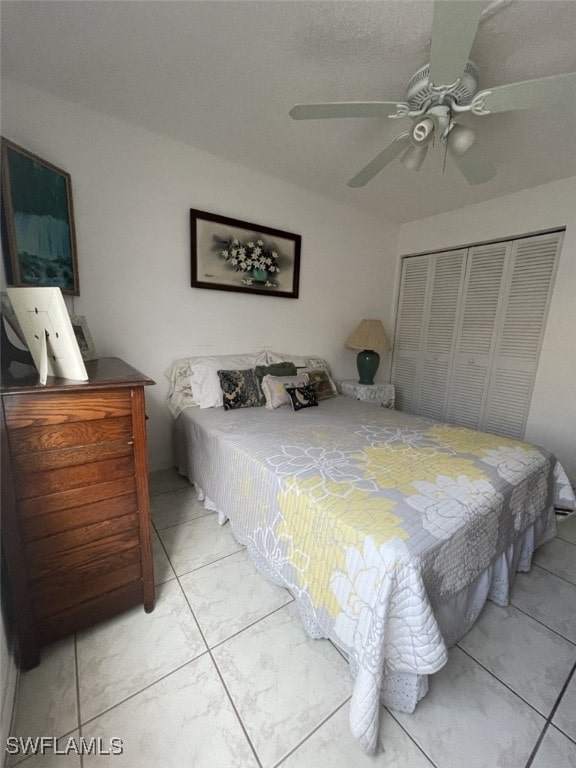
368,337
370,334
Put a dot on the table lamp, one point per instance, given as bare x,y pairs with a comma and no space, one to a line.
368,337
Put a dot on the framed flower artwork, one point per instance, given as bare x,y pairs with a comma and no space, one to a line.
233,255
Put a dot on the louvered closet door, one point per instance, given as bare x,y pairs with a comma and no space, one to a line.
441,313
527,293
409,331
476,336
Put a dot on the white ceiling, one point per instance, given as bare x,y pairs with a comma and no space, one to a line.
222,77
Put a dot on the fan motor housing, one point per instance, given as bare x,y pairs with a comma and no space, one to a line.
420,89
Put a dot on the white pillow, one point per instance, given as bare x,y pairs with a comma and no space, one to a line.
204,377
274,388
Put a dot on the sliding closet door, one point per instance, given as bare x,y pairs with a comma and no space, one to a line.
469,331
430,293
447,273
526,299
409,328
476,338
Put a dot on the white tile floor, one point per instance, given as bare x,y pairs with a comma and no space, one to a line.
222,675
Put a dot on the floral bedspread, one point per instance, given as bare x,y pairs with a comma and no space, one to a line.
370,517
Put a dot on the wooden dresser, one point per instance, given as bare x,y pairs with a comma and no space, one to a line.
76,532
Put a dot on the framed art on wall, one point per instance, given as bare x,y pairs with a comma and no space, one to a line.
38,221
233,255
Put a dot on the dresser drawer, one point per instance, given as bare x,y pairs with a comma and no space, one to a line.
31,484
41,409
27,440
69,457
77,497
56,522
87,580
66,551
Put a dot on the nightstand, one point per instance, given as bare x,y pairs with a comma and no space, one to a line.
379,394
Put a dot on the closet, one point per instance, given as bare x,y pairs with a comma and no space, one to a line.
469,329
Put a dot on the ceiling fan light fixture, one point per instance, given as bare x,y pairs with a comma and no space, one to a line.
423,131
414,157
460,139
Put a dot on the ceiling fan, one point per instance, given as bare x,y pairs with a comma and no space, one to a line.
434,108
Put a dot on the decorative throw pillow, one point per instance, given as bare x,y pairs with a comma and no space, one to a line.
284,368
239,389
321,383
274,388
318,362
301,397
204,377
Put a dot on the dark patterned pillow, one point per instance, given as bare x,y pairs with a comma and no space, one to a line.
301,397
240,389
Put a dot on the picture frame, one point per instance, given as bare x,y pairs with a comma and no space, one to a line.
233,255
37,221
83,337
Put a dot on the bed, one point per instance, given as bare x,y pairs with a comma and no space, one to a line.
390,530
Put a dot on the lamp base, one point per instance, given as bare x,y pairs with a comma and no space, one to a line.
367,362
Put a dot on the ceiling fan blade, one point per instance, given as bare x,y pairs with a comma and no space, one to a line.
381,160
527,94
348,109
474,165
453,31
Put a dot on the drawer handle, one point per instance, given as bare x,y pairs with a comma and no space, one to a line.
130,442
471,361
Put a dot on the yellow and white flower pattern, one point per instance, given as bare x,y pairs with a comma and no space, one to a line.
371,517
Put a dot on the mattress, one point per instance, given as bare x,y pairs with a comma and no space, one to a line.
390,530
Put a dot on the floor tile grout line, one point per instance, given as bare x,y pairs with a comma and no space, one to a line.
236,634
562,692
412,738
212,562
216,667
206,513
193,570
563,578
312,732
169,562
543,624
550,718
144,688
252,624
235,710
155,494
502,682
389,711
29,758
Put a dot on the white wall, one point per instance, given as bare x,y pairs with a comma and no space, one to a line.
552,416
132,193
